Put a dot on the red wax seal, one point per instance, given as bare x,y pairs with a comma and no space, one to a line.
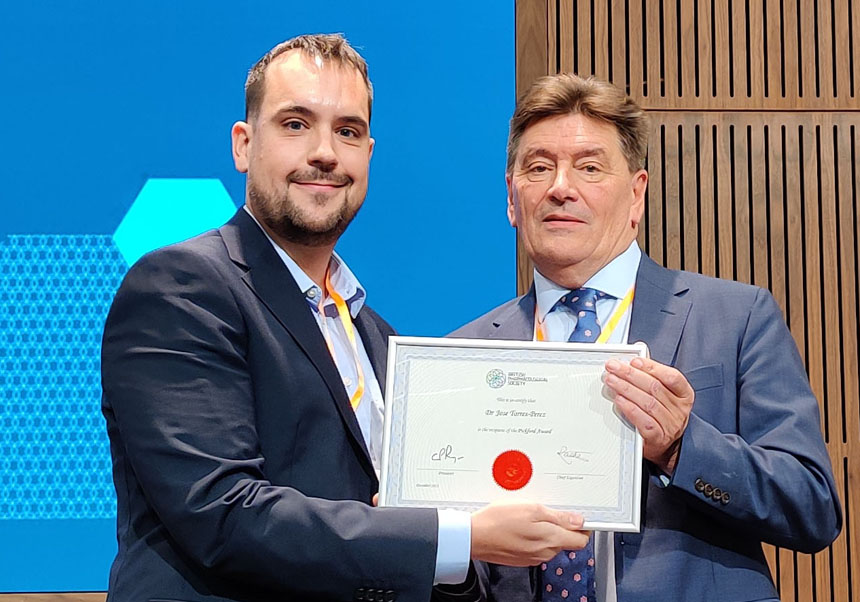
512,470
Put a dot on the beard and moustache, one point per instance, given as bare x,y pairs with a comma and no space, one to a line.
286,219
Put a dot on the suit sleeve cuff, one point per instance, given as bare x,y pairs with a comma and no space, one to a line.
453,547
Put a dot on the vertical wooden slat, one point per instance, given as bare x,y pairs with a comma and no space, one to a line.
741,194
770,24
707,204
776,164
720,47
738,26
672,199
825,51
756,30
669,47
791,48
565,24
691,194
758,206
637,57
725,219
584,39
840,43
652,19
601,40
687,31
655,195
706,71
619,44
806,45
619,47
770,555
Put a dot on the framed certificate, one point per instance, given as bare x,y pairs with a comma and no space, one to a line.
469,422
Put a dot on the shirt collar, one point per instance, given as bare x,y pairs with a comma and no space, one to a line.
615,278
342,278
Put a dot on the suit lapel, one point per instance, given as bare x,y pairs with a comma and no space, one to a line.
375,345
659,310
272,283
517,322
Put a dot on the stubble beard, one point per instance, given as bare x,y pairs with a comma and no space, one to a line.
283,217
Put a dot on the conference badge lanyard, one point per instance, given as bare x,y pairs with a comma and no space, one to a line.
605,332
346,320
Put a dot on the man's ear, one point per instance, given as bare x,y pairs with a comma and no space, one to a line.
637,208
241,137
512,209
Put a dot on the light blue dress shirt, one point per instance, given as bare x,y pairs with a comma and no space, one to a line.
615,278
455,528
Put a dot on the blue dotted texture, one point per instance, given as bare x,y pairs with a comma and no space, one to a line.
55,292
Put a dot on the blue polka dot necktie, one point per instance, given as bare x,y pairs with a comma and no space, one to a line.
570,575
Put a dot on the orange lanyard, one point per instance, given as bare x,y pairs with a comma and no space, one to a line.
605,333
346,320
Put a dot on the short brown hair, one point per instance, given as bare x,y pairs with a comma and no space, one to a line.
331,47
566,93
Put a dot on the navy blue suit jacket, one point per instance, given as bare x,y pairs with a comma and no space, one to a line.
231,434
753,437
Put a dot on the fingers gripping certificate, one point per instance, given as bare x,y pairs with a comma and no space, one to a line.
469,422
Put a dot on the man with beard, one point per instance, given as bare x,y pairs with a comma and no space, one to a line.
241,373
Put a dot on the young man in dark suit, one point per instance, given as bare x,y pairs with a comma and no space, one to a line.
241,373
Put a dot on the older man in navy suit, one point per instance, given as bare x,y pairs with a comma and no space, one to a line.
732,442
241,374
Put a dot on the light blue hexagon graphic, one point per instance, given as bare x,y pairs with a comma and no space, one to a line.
168,210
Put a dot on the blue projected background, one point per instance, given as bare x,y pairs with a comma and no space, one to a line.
116,122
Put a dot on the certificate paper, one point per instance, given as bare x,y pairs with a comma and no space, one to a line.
469,422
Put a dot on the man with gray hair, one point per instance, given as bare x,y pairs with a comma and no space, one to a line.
733,450
241,372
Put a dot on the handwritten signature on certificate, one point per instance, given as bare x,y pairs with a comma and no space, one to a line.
446,453
568,455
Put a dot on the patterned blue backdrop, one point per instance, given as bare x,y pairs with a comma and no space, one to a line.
116,129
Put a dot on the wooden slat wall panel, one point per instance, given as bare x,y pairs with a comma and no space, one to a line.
754,162
732,48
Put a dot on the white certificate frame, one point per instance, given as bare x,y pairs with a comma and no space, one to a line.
408,419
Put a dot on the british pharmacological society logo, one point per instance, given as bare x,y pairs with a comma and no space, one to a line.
496,378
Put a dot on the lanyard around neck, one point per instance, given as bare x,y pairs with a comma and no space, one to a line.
346,320
606,332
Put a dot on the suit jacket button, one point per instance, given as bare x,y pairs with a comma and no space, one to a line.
359,594
390,596
725,498
717,495
700,485
709,489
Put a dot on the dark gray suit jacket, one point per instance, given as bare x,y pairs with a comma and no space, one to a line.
753,437
231,433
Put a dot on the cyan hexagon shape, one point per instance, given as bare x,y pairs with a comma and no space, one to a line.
168,210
